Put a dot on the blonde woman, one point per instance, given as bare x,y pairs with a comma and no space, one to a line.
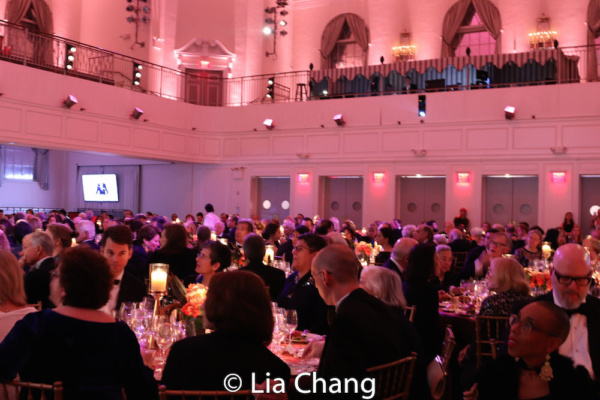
13,304
507,279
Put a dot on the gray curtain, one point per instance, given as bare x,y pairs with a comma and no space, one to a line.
16,10
43,16
41,167
490,17
452,21
128,187
332,31
593,20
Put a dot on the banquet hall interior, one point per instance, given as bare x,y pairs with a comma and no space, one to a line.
495,120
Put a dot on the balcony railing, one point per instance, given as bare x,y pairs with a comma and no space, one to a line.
50,52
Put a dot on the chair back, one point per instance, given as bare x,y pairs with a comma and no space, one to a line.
459,260
410,311
10,390
489,332
165,394
392,380
437,370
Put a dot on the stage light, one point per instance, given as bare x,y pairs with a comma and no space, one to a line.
267,30
422,105
282,23
339,120
271,87
70,101
137,73
509,112
269,124
70,56
136,113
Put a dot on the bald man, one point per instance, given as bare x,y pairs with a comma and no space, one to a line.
571,279
399,257
364,332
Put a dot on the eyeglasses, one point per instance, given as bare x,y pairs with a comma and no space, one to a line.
311,280
299,248
202,255
528,325
497,244
566,280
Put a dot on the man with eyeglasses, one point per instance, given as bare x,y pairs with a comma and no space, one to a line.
571,280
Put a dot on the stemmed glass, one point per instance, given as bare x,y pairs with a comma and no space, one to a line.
290,319
125,311
139,323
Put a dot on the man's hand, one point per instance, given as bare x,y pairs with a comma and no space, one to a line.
471,394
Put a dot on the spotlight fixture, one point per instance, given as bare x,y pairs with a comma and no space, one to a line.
136,113
70,101
509,112
137,73
272,25
271,88
422,105
269,124
70,55
339,120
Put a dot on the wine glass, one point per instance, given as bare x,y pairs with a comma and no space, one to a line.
139,322
291,321
125,311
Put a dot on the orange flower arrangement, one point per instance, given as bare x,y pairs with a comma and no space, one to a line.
196,296
539,280
363,248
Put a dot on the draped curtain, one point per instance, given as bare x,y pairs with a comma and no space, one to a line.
41,167
593,21
128,187
456,16
17,9
332,31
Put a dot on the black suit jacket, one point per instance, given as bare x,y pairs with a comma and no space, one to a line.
132,289
286,249
364,333
272,277
389,264
593,325
37,283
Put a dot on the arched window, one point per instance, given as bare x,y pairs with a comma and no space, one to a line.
471,23
345,42
33,14
475,37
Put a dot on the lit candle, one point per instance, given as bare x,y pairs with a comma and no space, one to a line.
158,281
269,254
73,242
546,250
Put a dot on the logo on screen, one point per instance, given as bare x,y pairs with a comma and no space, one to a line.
102,189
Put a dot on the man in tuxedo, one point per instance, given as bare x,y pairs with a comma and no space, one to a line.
254,249
364,331
571,279
408,86
116,247
399,257
36,256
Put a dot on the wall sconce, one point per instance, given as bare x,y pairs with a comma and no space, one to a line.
303,178
269,124
136,113
378,177
463,177
339,120
558,177
509,112
70,101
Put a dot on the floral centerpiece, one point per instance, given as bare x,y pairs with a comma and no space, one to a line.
192,310
539,281
363,251
238,258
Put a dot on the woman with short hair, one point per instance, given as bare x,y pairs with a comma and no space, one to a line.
532,250
238,307
75,343
175,252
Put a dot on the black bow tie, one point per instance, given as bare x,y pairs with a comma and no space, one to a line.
117,281
582,309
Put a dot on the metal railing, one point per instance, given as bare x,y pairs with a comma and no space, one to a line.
50,52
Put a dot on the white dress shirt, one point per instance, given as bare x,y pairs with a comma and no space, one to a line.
114,294
576,345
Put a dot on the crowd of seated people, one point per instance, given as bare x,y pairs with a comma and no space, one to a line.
408,269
